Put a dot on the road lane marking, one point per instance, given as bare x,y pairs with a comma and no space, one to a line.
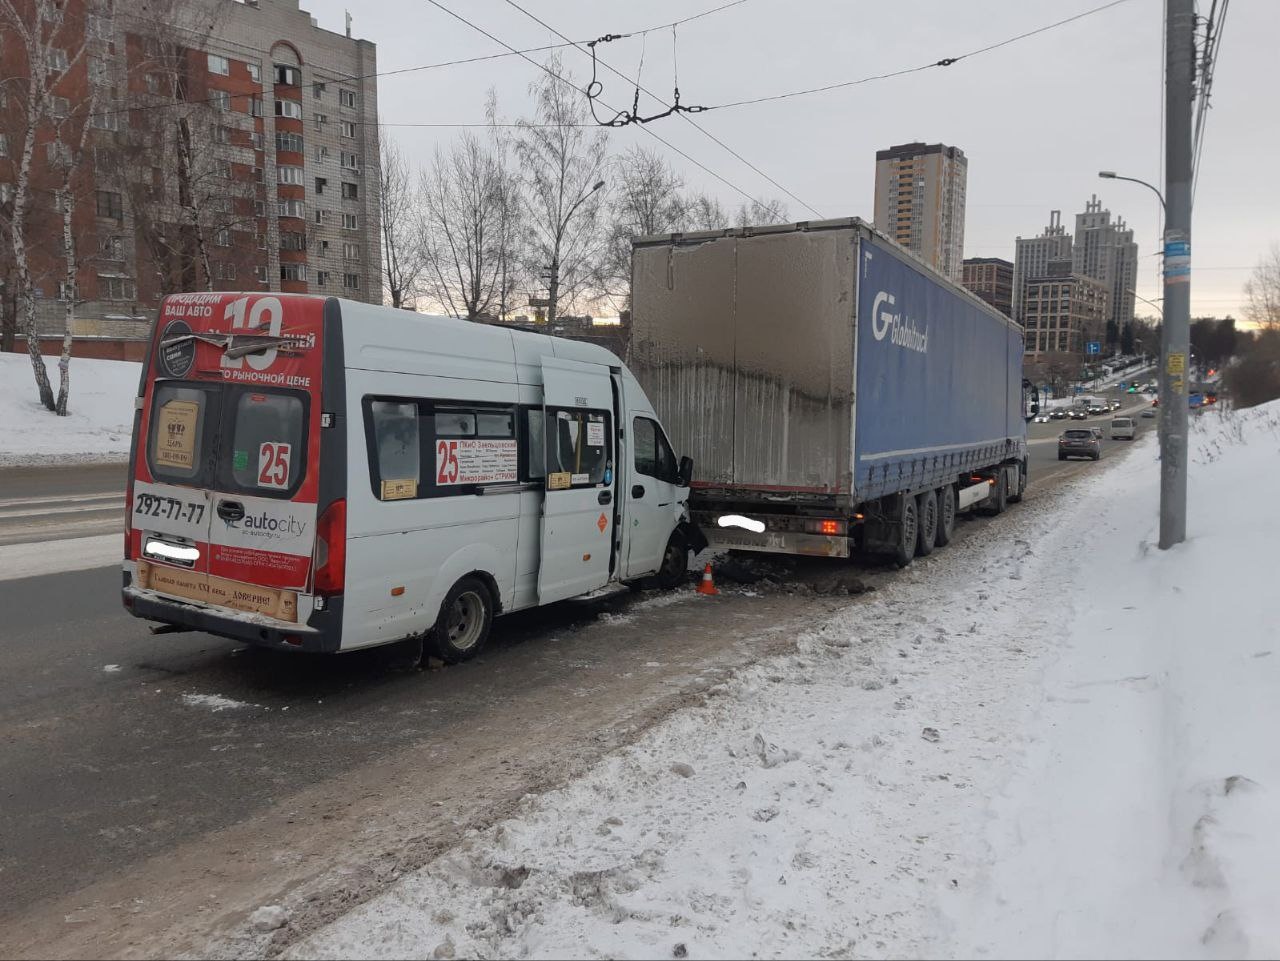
58,557
60,499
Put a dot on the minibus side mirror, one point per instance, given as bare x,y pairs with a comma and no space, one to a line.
686,471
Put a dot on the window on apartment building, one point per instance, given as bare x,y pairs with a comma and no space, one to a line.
289,141
224,169
109,205
66,291
351,252
223,237
261,272
107,119
347,98
98,70
350,222
115,287
255,72
289,108
289,175
255,106
324,248
220,100
226,271
348,130
262,241
351,281
257,140
98,28
289,76
317,90
6,193
57,59
220,134
220,204
321,183
293,272
350,191
219,65
291,208
322,154
155,83
57,154
320,119
259,208
259,175
4,145
322,216
322,278
59,107
292,240
351,161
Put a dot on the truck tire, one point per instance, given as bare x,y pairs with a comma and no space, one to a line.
908,533
927,512
999,497
946,515
462,628
1016,498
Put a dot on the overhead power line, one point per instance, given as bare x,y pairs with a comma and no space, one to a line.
687,119
551,73
1208,62
944,62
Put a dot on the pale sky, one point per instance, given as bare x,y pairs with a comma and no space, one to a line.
1037,119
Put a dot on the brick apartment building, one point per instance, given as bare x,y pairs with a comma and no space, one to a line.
991,278
233,144
1063,310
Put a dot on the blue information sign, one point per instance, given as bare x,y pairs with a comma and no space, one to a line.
1093,347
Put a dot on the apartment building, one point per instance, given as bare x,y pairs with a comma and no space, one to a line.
920,200
231,144
1107,252
1032,256
991,278
1063,310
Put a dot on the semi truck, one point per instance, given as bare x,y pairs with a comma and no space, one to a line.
836,393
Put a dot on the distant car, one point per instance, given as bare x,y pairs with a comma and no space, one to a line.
1096,409
1041,418
1058,414
1148,413
1115,405
1122,428
1079,414
1079,442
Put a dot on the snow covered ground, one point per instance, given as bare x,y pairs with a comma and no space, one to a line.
1049,740
99,419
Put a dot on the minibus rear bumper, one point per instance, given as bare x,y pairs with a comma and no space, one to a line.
321,635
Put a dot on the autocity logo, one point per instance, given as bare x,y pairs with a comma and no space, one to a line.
901,331
269,528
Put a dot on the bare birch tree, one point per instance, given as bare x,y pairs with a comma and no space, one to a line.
511,205
1262,291
402,261
562,157
463,211
761,213
705,213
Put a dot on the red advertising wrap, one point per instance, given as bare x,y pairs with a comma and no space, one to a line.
228,454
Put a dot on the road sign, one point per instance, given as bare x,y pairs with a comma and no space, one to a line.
1093,347
1176,364
539,302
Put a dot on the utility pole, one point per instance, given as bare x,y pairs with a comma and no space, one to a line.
1179,87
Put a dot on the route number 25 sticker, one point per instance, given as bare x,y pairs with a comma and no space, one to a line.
273,465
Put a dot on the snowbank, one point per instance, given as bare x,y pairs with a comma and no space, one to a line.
1050,739
99,419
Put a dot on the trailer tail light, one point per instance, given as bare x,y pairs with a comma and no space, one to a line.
331,549
824,526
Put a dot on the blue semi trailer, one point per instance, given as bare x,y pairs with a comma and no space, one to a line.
834,391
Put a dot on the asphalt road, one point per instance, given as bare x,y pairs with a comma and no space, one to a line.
115,750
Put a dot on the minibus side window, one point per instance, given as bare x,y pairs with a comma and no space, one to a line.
180,416
577,446
535,444
395,438
654,456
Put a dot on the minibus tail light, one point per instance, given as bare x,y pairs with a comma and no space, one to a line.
331,549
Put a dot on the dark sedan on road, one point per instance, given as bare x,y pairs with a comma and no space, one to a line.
1079,442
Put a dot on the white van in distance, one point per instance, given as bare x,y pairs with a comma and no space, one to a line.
321,475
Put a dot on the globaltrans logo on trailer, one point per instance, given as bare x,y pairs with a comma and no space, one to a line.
902,331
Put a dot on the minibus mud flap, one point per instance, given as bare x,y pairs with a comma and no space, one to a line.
171,629
693,536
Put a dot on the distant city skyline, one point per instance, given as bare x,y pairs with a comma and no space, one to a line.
1024,159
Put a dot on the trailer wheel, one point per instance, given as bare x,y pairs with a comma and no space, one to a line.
1022,483
908,533
946,515
675,563
463,626
927,511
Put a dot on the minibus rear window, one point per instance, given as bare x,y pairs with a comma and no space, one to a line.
183,417
268,442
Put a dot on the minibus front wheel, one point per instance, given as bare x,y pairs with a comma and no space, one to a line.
465,618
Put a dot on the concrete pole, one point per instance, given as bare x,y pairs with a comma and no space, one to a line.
1179,86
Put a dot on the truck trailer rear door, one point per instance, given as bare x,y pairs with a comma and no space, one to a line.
577,513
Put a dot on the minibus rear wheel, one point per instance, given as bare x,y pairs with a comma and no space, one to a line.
463,625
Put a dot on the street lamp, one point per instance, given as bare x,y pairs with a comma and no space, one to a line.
553,292
1174,347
